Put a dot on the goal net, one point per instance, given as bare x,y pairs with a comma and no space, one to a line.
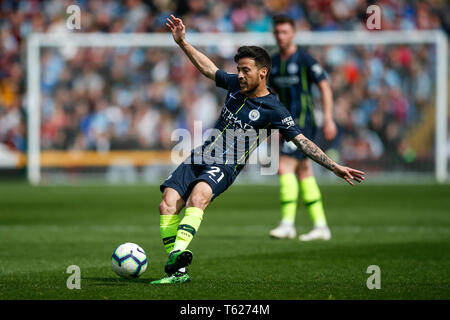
104,107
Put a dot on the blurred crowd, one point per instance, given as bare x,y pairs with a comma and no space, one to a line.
133,98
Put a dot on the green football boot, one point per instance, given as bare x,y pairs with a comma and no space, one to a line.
177,260
177,277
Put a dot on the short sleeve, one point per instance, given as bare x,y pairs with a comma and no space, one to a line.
226,80
282,120
315,70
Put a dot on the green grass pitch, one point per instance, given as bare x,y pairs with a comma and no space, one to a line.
405,230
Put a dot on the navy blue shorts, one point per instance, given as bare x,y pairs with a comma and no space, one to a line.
185,176
288,148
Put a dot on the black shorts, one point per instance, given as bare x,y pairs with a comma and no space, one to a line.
185,176
288,148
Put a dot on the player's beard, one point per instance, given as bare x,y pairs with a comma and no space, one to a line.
249,89
283,46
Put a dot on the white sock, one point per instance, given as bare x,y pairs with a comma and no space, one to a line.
286,223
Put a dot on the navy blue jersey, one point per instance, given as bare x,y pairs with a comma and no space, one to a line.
292,80
237,131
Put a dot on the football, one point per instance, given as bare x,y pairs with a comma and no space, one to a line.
129,260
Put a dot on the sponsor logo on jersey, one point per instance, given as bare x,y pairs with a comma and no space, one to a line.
233,120
317,69
286,81
288,121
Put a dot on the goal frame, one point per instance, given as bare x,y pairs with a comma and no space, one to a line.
36,41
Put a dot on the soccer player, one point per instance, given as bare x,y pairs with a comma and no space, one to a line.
249,107
293,73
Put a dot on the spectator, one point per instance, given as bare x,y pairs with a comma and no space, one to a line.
132,98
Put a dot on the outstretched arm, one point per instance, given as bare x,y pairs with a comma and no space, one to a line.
200,61
313,151
329,126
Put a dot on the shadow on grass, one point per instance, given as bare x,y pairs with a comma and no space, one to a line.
110,281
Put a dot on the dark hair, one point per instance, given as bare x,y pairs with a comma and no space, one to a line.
283,19
261,57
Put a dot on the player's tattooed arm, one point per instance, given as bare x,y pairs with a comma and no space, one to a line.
315,153
200,61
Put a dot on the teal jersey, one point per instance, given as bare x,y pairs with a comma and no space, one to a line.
292,79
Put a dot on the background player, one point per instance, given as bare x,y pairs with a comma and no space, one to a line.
249,106
294,72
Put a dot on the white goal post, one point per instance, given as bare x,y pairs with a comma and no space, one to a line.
36,41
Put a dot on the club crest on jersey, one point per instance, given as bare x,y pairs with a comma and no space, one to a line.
292,68
254,115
